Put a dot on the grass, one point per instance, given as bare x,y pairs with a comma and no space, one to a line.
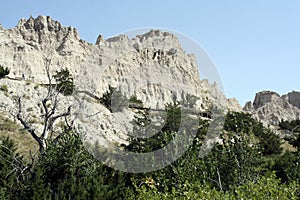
23,139
286,146
27,82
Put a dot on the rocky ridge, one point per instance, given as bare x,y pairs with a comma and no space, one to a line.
153,66
270,108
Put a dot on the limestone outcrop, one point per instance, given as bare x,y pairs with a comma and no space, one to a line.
153,66
270,108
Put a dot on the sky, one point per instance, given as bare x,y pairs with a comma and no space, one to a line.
255,45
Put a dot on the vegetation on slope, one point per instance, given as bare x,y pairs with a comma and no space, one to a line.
3,71
24,141
248,164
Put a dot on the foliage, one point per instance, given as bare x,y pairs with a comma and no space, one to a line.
64,82
293,125
160,139
287,167
239,160
135,100
114,100
247,164
65,171
266,187
296,141
4,88
189,100
269,142
12,172
232,163
3,71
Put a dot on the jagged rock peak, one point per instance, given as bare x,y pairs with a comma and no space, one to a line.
294,98
155,33
261,98
118,38
271,108
148,35
45,24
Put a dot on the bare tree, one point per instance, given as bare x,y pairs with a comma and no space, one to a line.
50,113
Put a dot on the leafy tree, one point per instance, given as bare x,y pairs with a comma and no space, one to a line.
64,82
287,167
160,139
3,71
267,187
239,122
269,142
235,162
181,170
293,125
65,171
296,142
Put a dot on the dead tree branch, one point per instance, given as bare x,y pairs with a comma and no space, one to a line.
49,110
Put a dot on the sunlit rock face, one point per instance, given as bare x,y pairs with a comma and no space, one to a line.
153,66
271,108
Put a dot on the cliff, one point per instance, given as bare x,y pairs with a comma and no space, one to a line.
153,66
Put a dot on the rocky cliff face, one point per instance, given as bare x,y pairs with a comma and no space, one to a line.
153,66
271,108
24,48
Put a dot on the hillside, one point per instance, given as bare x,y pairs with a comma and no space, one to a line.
271,108
152,66
131,118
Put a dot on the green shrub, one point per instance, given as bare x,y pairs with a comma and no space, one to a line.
64,82
3,71
293,125
135,102
189,100
267,187
114,100
11,166
269,142
4,88
65,171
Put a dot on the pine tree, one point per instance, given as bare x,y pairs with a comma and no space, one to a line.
64,81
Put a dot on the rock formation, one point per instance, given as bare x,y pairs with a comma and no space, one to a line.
270,108
152,66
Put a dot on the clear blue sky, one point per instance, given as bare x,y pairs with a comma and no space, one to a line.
255,45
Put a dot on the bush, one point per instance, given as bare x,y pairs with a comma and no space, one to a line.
64,82
11,169
293,125
189,101
4,88
114,100
267,187
269,142
136,102
65,171
3,71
